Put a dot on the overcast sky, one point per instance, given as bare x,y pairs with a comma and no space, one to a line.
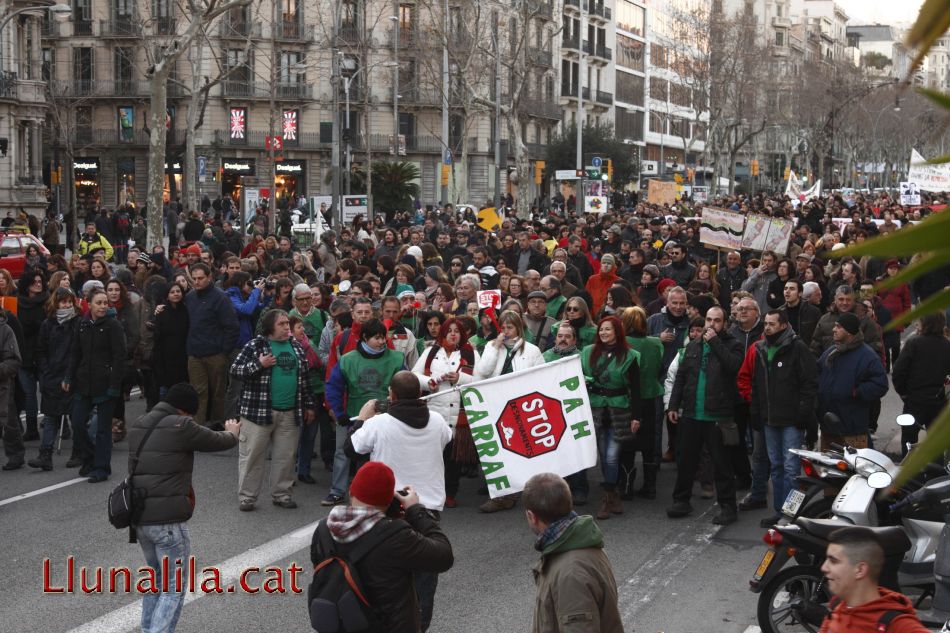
881,11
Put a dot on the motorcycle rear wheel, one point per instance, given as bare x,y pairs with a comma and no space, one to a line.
775,613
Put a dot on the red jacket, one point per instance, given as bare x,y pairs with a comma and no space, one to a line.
597,286
865,618
896,300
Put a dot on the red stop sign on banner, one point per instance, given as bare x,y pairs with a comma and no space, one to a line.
531,425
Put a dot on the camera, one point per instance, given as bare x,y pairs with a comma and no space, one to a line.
269,284
381,406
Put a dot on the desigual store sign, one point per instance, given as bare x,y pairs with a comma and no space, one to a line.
238,166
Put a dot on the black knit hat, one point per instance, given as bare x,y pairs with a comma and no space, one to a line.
849,322
183,397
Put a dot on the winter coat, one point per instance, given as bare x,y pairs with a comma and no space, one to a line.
129,315
386,572
31,311
170,333
775,296
9,367
577,590
659,323
442,363
614,384
164,469
88,244
597,286
821,340
803,320
849,380
724,360
539,331
896,300
866,617
681,273
53,346
97,366
247,311
492,361
729,281
213,325
781,390
758,284
921,368
650,349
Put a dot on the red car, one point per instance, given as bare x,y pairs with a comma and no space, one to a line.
13,251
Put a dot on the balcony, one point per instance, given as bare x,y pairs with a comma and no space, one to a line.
350,34
779,51
31,91
408,36
597,12
419,96
571,44
571,92
124,27
82,27
545,10
541,109
294,91
599,51
100,88
540,57
781,22
243,89
8,87
572,4
50,28
165,25
238,30
294,32
604,98
85,136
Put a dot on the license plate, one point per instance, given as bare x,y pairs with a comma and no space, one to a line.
764,565
793,502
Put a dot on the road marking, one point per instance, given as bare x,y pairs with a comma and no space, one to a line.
27,495
128,618
753,629
657,573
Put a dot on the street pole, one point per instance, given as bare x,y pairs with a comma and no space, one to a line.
444,192
580,194
349,133
335,151
661,167
275,81
396,26
497,121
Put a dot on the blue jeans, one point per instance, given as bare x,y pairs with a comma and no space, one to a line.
160,611
785,465
308,435
97,454
28,381
608,448
50,429
760,468
341,464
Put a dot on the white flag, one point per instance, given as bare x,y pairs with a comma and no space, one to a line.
934,178
533,421
813,192
794,187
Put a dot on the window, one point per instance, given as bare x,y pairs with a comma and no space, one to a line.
238,62
658,88
679,127
657,122
681,95
630,88
122,70
291,64
289,10
82,17
629,52
10,246
82,69
630,17
630,124
658,56
49,62
780,38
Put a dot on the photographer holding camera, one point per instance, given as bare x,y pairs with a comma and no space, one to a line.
409,438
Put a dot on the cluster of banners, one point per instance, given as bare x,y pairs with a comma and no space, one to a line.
533,421
734,231
662,192
794,190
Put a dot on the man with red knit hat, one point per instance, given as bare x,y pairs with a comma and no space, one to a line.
404,547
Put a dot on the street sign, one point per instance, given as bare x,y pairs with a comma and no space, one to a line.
566,174
353,206
447,157
202,168
596,162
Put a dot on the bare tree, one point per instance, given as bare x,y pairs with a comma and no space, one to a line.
198,14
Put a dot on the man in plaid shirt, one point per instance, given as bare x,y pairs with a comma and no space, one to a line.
276,399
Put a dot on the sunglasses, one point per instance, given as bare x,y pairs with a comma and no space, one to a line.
572,309
456,264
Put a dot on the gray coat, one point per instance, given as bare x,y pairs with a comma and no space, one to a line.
163,473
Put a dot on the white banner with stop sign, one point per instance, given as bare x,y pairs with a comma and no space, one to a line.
532,421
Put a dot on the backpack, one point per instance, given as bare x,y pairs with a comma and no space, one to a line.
122,222
335,598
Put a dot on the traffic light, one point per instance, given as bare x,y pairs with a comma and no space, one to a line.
539,171
445,175
610,169
788,173
755,167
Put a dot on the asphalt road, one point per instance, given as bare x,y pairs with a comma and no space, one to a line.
674,576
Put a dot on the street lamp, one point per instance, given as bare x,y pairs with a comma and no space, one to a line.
60,12
346,91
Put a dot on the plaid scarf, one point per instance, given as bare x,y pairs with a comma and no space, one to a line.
347,523
554,531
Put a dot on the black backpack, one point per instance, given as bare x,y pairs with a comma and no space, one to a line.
336,598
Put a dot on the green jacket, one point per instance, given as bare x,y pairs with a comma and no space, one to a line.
555,306
576,586
552,355
585,337
612,376
368,379
651,364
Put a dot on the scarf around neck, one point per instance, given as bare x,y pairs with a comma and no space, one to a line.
554,531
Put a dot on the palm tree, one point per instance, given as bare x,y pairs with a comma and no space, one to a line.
394,185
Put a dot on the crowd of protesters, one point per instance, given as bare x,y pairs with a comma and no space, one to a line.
715,362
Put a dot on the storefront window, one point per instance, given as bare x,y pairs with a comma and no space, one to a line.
125,181
290,183
86,174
